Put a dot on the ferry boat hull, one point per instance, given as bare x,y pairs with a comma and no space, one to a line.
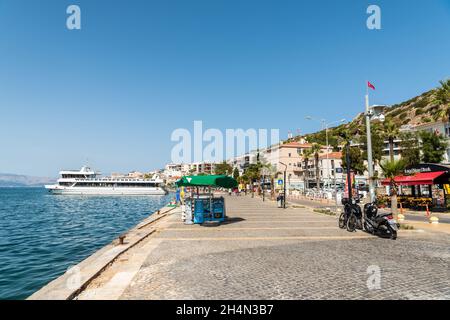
55,189
88,182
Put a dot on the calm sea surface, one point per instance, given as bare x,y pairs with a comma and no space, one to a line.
41,235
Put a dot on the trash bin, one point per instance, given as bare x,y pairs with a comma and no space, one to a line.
280,201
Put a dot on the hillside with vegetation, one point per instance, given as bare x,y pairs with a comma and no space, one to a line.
433,105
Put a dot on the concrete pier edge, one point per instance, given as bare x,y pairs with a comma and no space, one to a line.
91,267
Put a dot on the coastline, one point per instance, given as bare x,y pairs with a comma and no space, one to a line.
75,279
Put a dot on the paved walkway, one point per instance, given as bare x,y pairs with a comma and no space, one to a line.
413,216
268,253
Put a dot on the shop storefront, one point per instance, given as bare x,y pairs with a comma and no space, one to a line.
424,185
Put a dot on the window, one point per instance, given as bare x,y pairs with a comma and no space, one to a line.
447,129
289,155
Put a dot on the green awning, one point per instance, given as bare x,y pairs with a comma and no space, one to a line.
207,181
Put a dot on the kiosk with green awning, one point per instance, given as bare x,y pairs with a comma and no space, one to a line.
200,208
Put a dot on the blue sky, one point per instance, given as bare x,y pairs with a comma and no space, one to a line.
114,91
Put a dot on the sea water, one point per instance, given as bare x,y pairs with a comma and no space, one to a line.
42,235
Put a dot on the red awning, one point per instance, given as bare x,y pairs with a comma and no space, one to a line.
422,178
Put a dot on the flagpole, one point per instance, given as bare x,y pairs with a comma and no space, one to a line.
369,147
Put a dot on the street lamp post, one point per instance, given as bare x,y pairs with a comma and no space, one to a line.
326,126
369,114
349,174
284,185
369,150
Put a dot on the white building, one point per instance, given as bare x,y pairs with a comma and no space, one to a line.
175,171
331,169
283,157
439,127
242,162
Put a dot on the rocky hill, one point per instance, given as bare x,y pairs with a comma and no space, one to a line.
421,109
14,180
418,110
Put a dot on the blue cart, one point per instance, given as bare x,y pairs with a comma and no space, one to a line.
209,209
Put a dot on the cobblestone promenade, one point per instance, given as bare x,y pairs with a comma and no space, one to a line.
268,253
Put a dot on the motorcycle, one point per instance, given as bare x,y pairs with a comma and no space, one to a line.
380,224
351,218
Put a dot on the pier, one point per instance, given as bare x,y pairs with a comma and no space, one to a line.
260,252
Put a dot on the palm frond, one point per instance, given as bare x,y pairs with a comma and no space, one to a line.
391,169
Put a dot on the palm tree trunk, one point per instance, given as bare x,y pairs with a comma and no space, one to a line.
391,149
394,202
272,188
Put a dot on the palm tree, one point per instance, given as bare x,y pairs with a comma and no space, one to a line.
236,173
316,148
253,173
223,168
244,180
442,99
306,155
391,169
390,132
272,172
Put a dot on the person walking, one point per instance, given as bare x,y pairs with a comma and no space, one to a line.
182,193
177,196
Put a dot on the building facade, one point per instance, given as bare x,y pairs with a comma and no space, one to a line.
439,127
331,170
287,157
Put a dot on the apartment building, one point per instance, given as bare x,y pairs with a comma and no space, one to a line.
202,168
439,127
176,170
331,170
290,157
242,162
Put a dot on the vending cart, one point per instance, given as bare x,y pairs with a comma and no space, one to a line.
201,205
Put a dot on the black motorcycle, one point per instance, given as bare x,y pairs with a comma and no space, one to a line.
380,224
351,217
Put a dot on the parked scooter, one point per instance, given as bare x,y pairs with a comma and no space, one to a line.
351,218
380,224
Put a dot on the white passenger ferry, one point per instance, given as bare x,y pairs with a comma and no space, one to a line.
88,182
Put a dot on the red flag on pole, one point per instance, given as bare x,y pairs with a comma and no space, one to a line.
371,86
